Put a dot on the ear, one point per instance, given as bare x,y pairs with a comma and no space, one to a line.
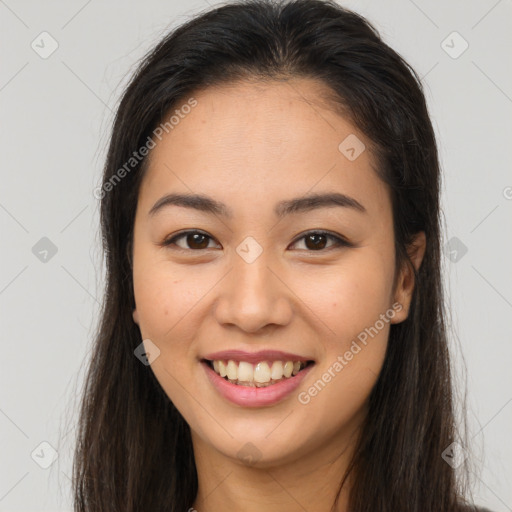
135,315
405,284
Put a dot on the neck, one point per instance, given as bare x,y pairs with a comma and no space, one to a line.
310,482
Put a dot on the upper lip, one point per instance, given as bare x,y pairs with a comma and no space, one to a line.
255,357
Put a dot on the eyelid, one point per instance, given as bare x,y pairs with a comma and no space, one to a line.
172,239
340,241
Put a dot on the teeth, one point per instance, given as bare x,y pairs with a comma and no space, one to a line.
259,375
222,369
232,370
288,369
246,372
276,372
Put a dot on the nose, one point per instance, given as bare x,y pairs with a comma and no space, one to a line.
253,296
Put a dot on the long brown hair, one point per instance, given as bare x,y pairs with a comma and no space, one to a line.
134,449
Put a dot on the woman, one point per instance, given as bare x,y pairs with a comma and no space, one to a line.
273,332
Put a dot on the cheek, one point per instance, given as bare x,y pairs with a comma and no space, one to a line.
164,298
355,306
352,306
351,297
165,303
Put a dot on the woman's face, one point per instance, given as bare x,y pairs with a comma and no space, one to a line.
261,282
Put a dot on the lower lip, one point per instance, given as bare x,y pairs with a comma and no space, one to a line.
252,396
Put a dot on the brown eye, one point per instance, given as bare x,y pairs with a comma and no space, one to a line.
318,241
197,241
314,241
193,240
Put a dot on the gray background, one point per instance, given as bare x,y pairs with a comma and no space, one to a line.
56,113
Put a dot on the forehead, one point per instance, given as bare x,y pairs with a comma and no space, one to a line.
261,140
278,118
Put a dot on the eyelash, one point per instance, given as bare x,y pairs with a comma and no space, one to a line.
339,241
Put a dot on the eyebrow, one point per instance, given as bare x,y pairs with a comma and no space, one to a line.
298,205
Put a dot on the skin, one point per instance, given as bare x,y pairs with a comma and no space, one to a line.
250,146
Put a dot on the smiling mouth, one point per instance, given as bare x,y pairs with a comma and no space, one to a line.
259,375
